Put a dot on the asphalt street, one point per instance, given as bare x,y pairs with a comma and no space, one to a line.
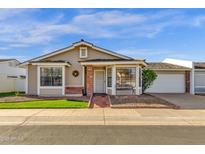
98,135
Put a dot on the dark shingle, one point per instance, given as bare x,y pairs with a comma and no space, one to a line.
199,65
157,65
49,61
108,60
2,60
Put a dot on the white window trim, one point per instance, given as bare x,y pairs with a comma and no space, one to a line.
109,67
114,80
50,87
86,52
26,85
83,76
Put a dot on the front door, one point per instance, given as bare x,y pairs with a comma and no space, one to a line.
99,81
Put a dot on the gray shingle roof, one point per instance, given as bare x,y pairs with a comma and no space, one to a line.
2,60
199,65
164,66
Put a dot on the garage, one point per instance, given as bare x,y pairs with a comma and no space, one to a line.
199,81
168,83
170,78
199,77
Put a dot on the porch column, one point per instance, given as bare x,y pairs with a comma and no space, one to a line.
114,80
63,80
187,81
138,81
89,80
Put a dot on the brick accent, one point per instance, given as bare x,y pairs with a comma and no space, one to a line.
73,90
89,80
187,81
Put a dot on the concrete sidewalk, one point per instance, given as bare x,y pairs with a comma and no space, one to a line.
21,117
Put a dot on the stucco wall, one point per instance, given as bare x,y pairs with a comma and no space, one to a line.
50,92
32,80
109,91
73,57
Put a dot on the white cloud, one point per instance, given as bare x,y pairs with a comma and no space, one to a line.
25,30
107,18
8,13
143,53
198,21
4,48
160,54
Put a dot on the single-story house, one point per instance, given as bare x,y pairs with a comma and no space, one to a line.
12,78
84,68
197,75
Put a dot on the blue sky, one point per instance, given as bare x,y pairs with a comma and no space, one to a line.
152,34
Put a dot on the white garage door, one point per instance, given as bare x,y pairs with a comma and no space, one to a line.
168,83
200,82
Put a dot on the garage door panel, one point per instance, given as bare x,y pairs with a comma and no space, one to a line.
200,79
199,82
168,83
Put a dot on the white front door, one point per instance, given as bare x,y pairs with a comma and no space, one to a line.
99,81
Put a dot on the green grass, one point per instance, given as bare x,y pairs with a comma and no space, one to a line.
5,94
45,104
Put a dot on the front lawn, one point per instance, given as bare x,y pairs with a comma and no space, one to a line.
13,93
47,104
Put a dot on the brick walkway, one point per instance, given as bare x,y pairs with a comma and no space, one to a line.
100,101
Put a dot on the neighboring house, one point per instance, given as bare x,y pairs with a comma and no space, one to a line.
84,68
12,78
197,76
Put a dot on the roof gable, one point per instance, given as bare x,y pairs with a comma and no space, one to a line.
80,43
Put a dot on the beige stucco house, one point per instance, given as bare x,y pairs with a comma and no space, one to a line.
84,69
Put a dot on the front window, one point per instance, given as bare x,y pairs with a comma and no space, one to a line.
51,76
126,77
83,52
140,77
109,77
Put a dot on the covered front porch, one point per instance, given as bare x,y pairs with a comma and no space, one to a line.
113,77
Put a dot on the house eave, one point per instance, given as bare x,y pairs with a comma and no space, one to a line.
169,69
51,64
114,63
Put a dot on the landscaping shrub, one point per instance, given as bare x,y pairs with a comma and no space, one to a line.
148,77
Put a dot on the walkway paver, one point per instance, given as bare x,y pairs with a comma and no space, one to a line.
100,101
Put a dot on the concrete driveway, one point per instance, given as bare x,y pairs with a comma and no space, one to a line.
185,101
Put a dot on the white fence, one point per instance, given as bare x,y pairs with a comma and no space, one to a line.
11,84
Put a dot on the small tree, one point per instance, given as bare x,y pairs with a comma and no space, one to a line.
148,77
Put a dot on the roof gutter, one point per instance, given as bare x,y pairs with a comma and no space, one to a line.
114,63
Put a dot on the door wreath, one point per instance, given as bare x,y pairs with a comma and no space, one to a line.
75,73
